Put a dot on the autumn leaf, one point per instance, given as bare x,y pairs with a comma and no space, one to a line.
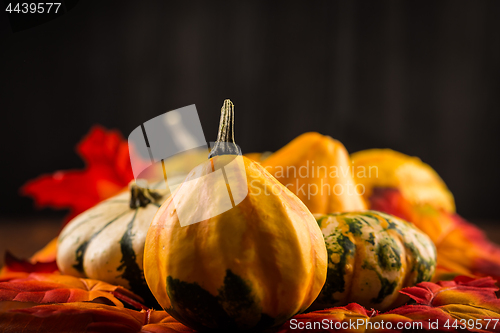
438,306
337,319
469,303
47,254
56,288
463,303
162,322
15,268
107,172
87,317
14,264
12,305
43,261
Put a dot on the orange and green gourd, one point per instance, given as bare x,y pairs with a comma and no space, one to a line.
371,257
406,187
317,169
251,267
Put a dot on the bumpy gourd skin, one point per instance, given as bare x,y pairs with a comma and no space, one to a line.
317,169
371,256
251,267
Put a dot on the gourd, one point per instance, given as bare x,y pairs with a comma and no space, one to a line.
418,183
106,242
250,267
317,169
405,186
258,157
371,257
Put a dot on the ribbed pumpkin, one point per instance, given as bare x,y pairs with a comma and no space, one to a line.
250,267
371,257
317,169
106,242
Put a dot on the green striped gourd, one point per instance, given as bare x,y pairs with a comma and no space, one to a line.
371,257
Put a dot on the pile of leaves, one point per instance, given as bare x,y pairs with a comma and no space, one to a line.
35,297
50,302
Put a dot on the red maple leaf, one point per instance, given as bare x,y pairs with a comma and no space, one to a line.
107,172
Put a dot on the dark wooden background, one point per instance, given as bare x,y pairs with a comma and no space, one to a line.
421,77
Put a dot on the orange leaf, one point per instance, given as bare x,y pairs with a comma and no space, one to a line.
43,261
339,319
107,172
469,303
14,264
87,317
444,306
56,288
440,306
47,254
162,322
11,305
15,268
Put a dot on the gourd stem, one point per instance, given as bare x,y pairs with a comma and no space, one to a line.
225,144
141,197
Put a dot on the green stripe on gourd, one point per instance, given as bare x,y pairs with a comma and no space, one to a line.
80,251
231,309
371,256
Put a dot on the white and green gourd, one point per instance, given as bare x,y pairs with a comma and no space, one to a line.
106,242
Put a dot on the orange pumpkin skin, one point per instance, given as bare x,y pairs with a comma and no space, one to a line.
317,169
257,157
251,267
416,180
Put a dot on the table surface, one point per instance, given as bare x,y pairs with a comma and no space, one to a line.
23,236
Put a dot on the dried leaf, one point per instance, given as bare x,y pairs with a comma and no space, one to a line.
71,317
11,305
446,306
15,268
56,288
87,317
466,302
107,172
14,264
336,320
162,322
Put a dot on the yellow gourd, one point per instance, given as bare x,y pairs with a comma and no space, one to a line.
317,169
417,181
251,267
